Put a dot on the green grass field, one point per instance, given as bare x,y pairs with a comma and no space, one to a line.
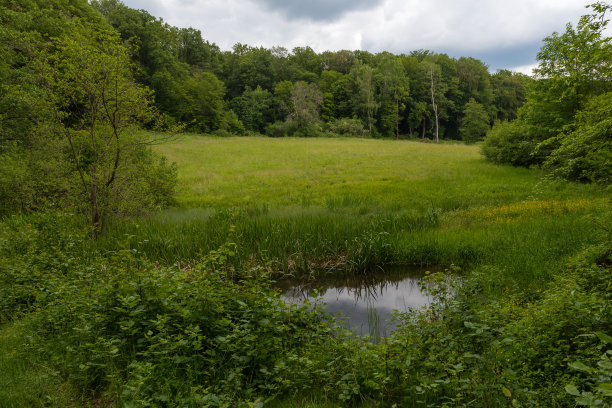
313,206
221,173
310,205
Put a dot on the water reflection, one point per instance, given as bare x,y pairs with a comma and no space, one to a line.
364,302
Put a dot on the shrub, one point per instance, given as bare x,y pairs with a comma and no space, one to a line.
585,154
151,336
346,126
37,253
509,143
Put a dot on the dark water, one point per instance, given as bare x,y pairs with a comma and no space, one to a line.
365,303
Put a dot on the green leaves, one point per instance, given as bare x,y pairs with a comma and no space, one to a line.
475,122
577,365
572,390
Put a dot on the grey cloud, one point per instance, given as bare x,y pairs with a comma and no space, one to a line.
505,57
318,10
512,57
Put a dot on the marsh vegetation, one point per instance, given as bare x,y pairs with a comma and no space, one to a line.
142,266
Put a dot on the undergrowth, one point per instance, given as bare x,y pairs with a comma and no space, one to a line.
118,329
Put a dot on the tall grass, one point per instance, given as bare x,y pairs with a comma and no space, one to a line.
348,205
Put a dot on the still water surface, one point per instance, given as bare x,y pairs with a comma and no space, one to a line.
365,303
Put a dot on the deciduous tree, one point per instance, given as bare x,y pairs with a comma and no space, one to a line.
98,109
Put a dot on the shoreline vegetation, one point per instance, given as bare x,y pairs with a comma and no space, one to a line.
166,303
137,267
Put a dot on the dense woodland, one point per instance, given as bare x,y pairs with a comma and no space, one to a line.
171,78
108,298
279,92
186,81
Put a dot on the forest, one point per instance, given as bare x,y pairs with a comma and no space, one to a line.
157,194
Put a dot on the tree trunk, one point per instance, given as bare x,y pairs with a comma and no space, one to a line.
397,119
423,131
95,212
433,104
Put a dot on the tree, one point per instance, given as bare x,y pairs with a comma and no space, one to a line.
254,108
201,106
417,104
434,105
585,154
564,123
365,103
304,64
394,91
282,99
579,61
509,93
306,100
573,67
339,92
509,143
475,122
98,109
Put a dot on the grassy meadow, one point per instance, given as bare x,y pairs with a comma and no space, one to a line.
348,205
175,308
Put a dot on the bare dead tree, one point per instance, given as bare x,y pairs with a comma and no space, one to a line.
433,103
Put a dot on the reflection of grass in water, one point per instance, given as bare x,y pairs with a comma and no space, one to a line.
373,323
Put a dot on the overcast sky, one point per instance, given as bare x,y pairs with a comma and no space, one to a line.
502,33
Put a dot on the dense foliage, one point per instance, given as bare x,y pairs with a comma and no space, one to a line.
564,125
70,114
79,79
179,310
131,333
389,94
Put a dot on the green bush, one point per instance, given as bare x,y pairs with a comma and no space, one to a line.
349,127
38,252
148,336
216,335
509,143
512,350
585,154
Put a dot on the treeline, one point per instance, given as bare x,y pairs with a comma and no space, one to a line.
280,92
78,81
566,124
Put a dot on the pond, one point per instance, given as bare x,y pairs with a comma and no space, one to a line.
364,303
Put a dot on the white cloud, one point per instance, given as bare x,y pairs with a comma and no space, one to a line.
525,69
458,27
